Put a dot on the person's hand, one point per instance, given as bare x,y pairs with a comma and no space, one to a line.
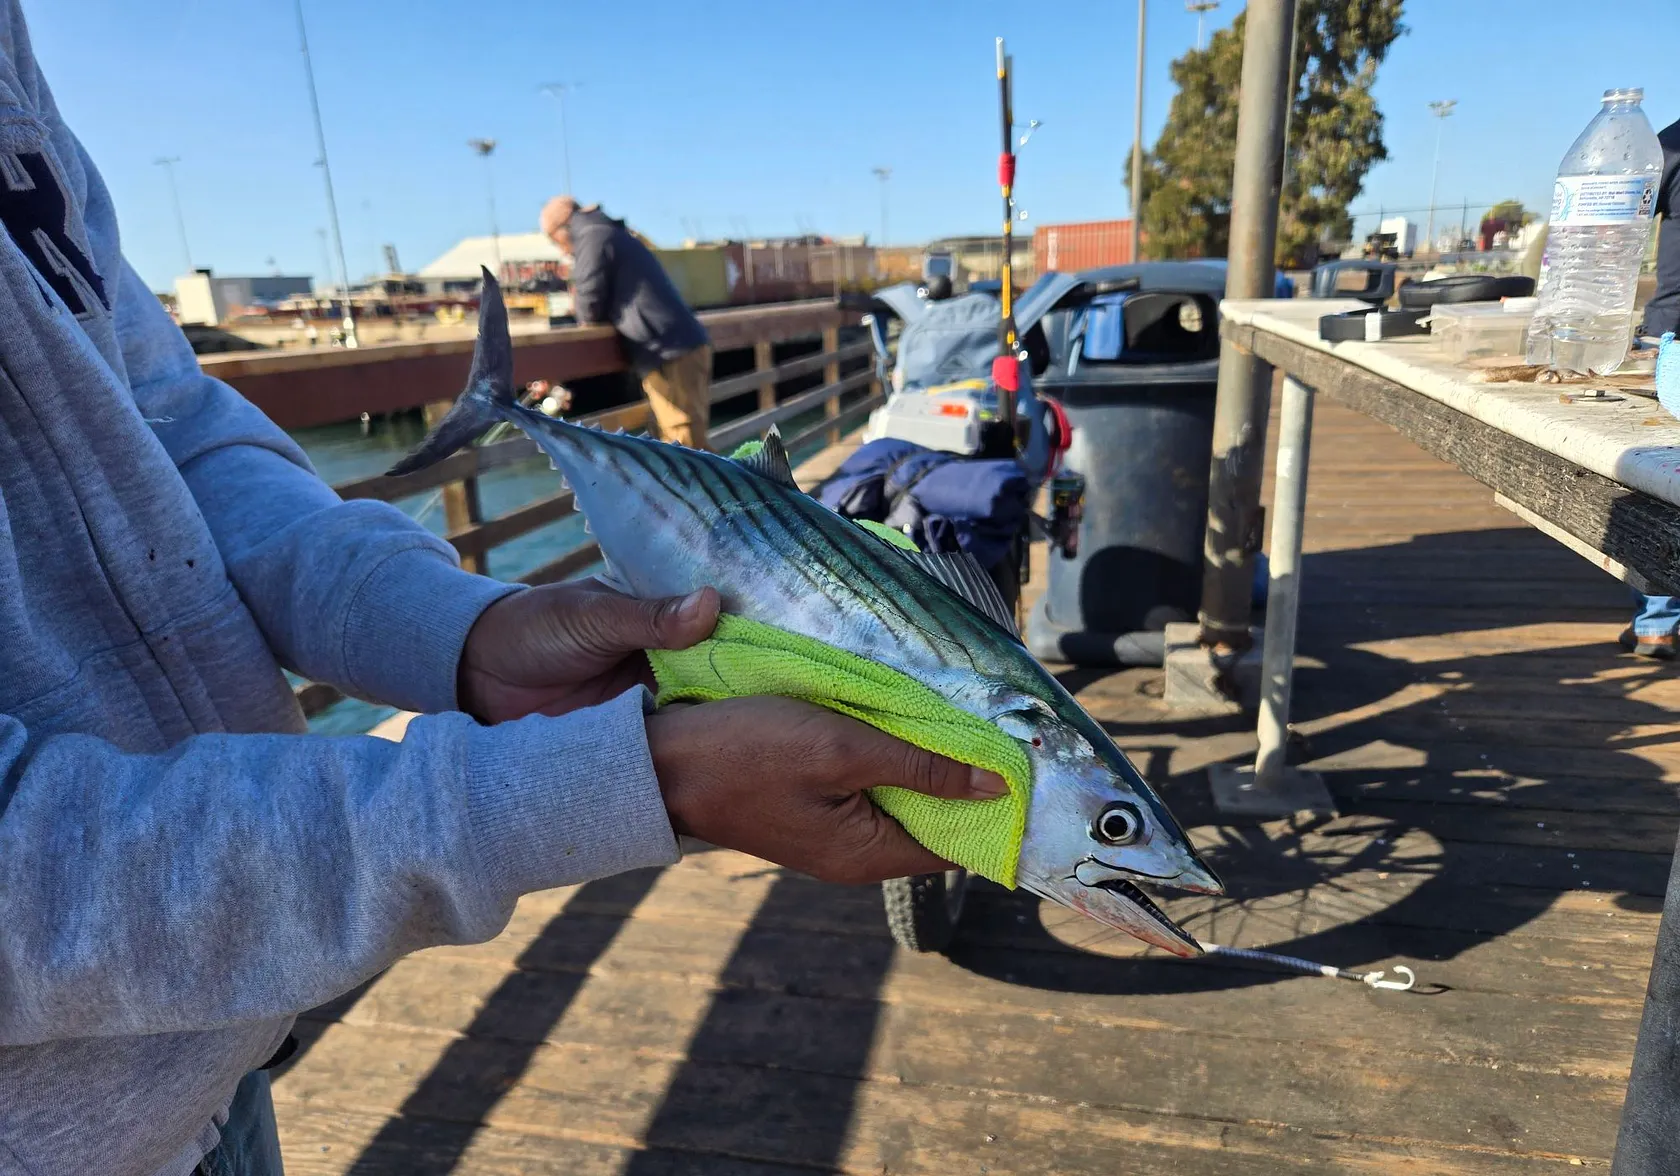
562,647
785,781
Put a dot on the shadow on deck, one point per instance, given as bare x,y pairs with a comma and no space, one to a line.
1507,779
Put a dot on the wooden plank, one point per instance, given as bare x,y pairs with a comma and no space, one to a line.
1633,528
565,567
764,364
803,365
793,1106
831,375
477,541
461,508
841,422
318,1141
735,432
1458,928
388,489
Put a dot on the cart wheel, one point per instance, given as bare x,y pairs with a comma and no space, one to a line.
922,912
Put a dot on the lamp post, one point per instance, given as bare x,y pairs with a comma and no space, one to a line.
1201,8
557,91
485,147
326,176
1442,110
168,165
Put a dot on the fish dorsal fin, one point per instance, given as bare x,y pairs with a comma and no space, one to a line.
961,573
771,460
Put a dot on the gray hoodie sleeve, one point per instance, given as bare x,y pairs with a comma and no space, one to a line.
243,877
328,581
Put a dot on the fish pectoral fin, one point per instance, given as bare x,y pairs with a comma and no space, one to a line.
771,461
961,573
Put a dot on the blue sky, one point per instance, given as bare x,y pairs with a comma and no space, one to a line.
734,115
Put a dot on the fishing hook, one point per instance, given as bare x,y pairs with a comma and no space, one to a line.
1407,982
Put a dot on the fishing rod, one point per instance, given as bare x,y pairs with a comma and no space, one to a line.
1006,368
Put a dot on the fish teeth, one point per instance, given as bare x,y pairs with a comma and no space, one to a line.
586,528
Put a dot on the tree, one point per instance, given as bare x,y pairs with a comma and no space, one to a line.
1511,212
1335,133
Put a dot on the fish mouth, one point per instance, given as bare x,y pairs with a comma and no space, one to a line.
1154,927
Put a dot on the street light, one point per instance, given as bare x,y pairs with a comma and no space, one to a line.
326,175
1442,111
557,91
484,147
1200,8
167,163
883,174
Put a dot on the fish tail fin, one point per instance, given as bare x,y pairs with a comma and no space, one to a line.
488,393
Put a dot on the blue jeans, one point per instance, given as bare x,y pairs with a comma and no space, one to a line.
1659,616
250,1143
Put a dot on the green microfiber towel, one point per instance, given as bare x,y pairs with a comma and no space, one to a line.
746,657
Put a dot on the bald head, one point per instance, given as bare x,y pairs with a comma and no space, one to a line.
556,213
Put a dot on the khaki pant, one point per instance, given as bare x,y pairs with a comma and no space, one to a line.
679,393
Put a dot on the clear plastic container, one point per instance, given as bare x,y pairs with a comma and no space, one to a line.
1472,330
1602,208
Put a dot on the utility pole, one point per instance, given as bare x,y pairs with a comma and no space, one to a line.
1245,387
1137,149
485,147
557,91
326,175
1201,8
168,165
883,174
1442,111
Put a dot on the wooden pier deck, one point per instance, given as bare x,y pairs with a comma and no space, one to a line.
1508,780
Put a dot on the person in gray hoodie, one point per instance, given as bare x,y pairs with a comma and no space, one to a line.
183,868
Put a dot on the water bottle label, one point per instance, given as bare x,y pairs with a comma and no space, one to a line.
1603,200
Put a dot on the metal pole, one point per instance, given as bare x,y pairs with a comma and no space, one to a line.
1244,396
1441,110
1648,1143
168,166
1201,8
1136,239
557,91
1283,596
326,175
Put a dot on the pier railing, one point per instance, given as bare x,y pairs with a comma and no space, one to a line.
341,385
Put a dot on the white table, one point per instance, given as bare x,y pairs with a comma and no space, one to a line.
1603,478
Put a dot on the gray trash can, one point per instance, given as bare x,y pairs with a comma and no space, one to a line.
1136,372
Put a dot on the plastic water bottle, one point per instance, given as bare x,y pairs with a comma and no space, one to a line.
1602,208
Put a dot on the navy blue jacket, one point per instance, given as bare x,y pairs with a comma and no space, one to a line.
617,280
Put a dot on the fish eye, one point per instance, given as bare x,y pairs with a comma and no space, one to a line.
1118,824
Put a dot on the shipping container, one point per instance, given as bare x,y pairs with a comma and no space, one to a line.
1071,248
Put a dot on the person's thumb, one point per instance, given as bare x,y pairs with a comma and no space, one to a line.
904,765
623,624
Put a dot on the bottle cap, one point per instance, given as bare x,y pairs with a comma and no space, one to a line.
1633,94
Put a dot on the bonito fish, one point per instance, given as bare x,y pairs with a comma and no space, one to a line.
671,519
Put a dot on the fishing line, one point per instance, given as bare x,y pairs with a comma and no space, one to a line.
1406,983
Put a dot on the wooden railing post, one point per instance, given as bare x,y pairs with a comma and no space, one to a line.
831,377
460,499
764,360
